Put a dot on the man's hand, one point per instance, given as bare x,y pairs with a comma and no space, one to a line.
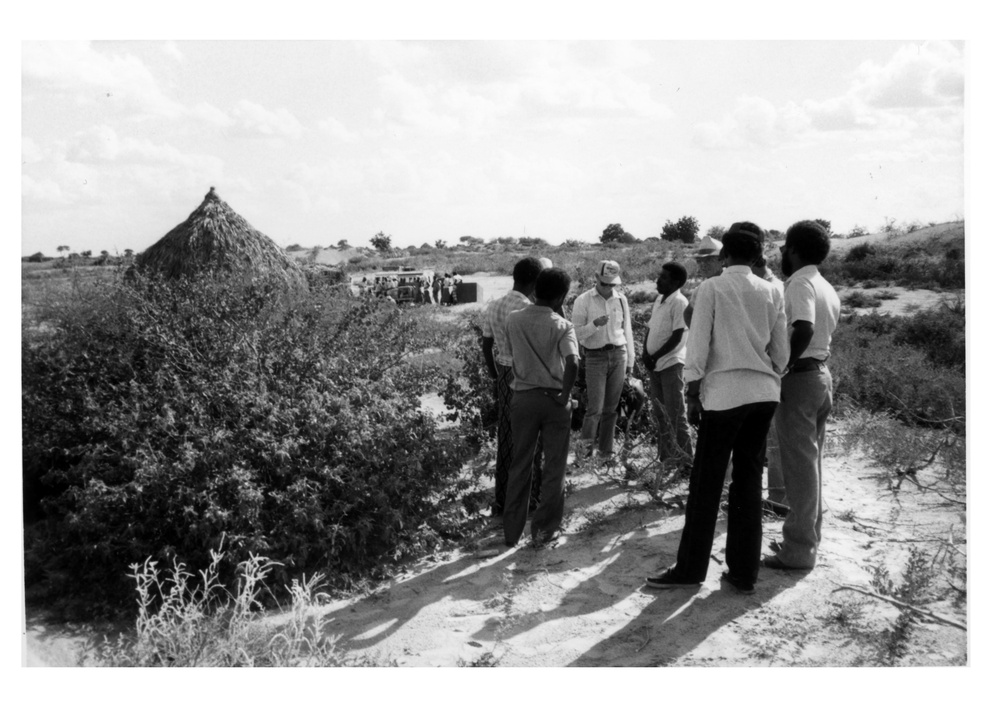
628,370
694,410
647,360
600,321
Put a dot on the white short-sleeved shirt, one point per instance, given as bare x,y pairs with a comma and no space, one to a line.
811,298
667,317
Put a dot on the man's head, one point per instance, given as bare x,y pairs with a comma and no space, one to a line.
525,274
671,278
741,245
806,244
552,287
708,257
608,277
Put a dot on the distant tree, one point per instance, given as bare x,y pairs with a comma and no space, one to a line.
86,253
343,245
507,241
685,230
858,231
129,253
425,246
716,231
532,242
61,248
382,242
572,244
824,223
616,233
471,241
105,254
774,234
440,244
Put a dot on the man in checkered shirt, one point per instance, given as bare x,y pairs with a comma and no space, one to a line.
499,363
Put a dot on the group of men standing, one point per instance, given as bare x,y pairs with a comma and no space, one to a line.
746,350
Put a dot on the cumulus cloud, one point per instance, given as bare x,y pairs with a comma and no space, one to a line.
171,49
925,75
338,130
256,120
754,121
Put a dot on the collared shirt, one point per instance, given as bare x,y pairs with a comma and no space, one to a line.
810,297
494,323
591,305
738,340
540,340
667,317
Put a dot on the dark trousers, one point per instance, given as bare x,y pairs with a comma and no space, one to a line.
504,443
739,433
536,413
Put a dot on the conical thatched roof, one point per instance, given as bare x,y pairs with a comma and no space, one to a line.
215,238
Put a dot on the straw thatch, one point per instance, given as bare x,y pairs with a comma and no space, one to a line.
215,238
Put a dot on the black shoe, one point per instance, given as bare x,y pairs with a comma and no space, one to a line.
496,511
668,579
774,562
746,589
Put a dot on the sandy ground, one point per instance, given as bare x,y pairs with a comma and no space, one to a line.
584,603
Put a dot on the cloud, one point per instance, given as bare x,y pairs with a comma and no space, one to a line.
256,120
925,75
333,127
171,49
753,122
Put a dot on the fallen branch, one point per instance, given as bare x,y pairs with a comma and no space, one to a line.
913,480
904,606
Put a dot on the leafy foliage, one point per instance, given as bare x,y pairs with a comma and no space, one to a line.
382,242
159,416
685,230
616,233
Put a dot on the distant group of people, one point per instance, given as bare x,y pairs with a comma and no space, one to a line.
439,290
743,362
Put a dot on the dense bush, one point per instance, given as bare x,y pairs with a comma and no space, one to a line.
923,264
910,368
158,417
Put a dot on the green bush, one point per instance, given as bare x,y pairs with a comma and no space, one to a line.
157,417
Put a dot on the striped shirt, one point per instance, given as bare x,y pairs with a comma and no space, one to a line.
494,324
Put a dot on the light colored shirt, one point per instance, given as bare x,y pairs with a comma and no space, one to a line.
494,323
737,345
541,340
810,297
591,305
666,318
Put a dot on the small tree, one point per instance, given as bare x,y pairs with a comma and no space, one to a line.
382,242
440,244
615,233
824,223
86,253
471,241
129,253
716,231
342,245
685,229
61,248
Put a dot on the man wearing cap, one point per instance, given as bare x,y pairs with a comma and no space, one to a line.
499,364
806,392
709,265
602,320
736,349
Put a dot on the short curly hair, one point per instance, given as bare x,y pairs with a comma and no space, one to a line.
743,241
525,271
676,271
810,240
552,284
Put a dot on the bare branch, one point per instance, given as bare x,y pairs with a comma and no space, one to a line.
904,606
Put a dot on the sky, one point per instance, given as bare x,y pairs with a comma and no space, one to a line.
318,141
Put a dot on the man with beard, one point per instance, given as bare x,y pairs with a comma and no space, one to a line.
812,308
736,348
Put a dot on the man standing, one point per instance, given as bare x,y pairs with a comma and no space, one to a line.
736,349
663,355
806,392
709,265
603,327
545,364
499,365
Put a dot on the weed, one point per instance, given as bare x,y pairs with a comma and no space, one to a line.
183,622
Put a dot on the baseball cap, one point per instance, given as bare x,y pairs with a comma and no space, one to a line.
609,272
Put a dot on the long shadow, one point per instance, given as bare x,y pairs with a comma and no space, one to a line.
359,625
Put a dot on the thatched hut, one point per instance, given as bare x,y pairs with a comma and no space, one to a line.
216,238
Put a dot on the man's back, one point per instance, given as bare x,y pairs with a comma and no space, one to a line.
738,341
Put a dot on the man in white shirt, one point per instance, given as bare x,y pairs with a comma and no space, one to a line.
663,355
602,321
812,308
736,349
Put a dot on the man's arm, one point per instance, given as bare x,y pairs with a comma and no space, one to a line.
580,322
629,338
670,345
569,378
487,351
801,335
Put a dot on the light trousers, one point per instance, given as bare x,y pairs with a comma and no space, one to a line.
605,373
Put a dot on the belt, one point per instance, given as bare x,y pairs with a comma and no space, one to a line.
808,364
606,347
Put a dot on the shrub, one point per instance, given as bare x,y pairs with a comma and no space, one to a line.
158,416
